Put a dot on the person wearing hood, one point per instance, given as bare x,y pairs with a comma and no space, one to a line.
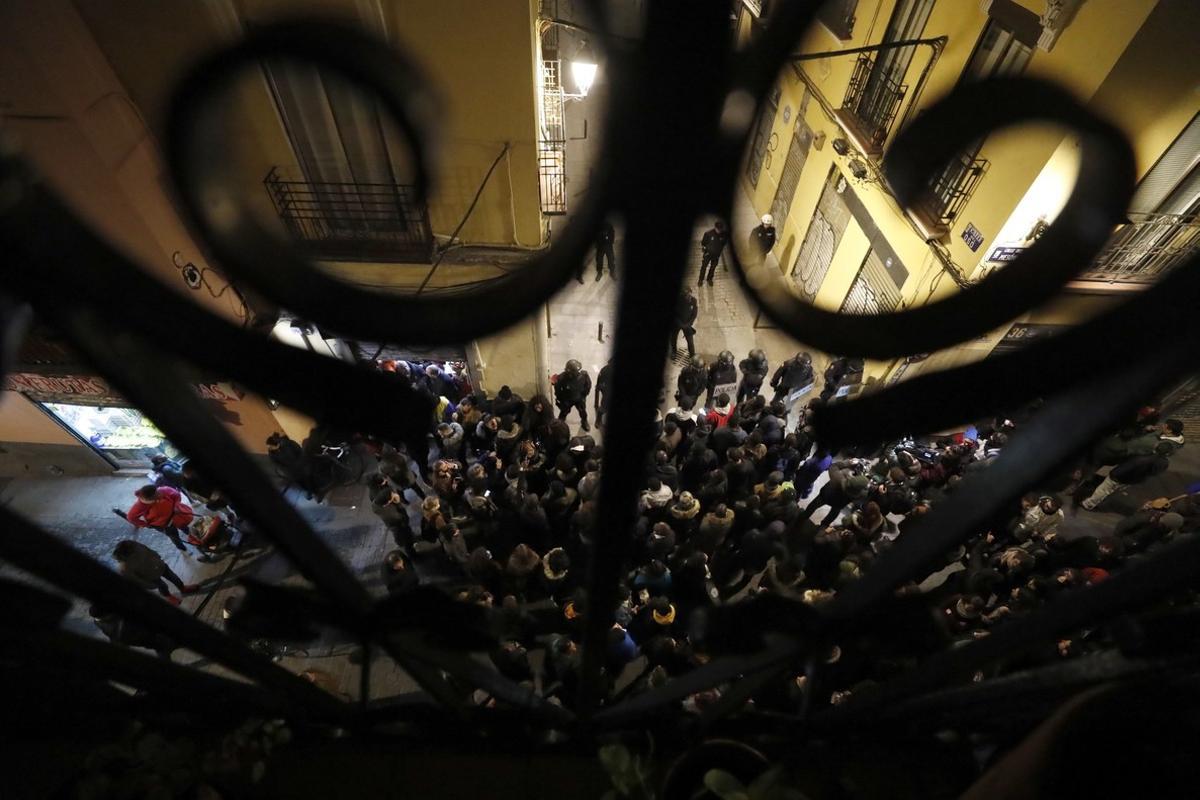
450,440
538,415
520,570
565,471
507,437
657,618
867,523
508,403
559,503
714,529
793,374
722,375
771,424
684,515
718,415
556,579
754,371
656,496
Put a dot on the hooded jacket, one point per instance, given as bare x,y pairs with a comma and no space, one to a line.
167,508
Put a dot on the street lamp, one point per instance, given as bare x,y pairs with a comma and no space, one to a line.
583,68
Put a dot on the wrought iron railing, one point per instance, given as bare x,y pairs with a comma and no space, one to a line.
353,221
949,192
552,142
1146,247
1149,341
873,98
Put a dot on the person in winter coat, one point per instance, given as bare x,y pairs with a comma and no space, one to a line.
684,515
686,311
761,241
754,371
450,440
846,485
714,529
656,496
161,508
721,375
398,574
143,566
793,374
1131,471
739,473
712,245
810,470
571,390
718,415
603,388
692,380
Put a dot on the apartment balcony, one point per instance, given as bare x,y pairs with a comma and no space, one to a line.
872,102
1141,251
353,221
947,194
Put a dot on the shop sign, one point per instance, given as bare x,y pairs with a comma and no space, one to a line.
89,388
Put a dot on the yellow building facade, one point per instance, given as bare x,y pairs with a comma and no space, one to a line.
844,242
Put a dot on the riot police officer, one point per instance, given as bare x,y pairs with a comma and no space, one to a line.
693,379
722,373
754,372
793,374
685,315
571,390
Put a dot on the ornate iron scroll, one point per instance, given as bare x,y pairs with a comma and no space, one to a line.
673,145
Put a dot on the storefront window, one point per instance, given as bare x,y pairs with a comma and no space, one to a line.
124,434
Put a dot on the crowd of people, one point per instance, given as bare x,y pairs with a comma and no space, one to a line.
741,503
740,500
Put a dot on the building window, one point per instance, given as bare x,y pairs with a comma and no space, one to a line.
874,291
762,136
821,240
998,53
838,17
797,155
354,200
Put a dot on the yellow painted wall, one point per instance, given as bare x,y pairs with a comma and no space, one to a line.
22,421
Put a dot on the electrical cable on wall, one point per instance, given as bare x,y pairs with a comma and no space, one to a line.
196,278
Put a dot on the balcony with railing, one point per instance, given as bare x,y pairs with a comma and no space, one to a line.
872,102
552,142
947,194
353,221
1145,248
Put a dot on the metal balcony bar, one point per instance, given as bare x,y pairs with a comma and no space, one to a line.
873,99
552,142
1145,248
353,221
952,188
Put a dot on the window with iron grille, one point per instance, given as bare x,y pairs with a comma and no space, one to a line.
1004,48
352,200
821,240
552,142
762,136
873,290
793,165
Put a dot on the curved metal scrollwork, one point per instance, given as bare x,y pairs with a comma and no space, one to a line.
672,147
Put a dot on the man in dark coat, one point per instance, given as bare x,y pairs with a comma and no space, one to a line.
571,390
685,315
712,245
754,372
793,374
721,374
604,250
603,387
1131,471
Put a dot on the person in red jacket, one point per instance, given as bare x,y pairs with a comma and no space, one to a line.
161,508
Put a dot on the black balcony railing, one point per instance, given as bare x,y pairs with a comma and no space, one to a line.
1142,250
950,190
353,221
873,98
